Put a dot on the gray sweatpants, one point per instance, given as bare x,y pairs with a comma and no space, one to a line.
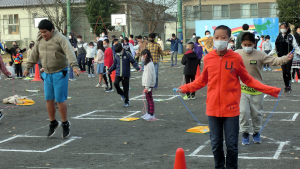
175,54
251,106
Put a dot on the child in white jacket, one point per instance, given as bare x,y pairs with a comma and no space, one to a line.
148,81
91,51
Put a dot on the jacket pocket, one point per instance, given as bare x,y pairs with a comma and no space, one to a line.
230,101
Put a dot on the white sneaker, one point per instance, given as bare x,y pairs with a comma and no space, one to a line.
293,81
145,115
89,75
269,69
1,116
93,75
150,118
104,85
73,79
98,85
264,69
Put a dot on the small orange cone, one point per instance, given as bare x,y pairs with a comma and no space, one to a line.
37,77
113,76
296,78
179,159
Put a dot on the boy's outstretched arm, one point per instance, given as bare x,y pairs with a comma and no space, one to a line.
133,62
197,84
113,67
251,82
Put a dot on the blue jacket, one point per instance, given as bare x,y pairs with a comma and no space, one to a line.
122,65
174,44
2,47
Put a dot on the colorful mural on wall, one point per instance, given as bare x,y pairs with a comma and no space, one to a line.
259,26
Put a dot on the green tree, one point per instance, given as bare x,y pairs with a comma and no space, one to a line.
289,11
103,8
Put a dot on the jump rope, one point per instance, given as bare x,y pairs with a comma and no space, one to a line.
175,90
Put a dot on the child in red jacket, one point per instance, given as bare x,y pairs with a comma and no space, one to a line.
18,59
108,62
222,71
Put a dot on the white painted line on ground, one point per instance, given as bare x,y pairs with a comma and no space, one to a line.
279,150
275,100
199,148
170,97
132,114
37,151
110,154
280,112
293,118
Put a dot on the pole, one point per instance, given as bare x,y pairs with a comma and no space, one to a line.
180,36
68,18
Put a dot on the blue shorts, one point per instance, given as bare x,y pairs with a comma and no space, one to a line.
100,67
56,85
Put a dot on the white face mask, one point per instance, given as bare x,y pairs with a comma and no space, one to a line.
298,32
121,38
158,39
103,35
221,45
143,59
121,53
79,40
208,35
194,36
283,30
248,49
70,37
105,46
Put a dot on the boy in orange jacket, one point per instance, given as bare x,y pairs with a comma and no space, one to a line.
222,71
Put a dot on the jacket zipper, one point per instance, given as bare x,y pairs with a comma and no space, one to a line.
121,71
220,74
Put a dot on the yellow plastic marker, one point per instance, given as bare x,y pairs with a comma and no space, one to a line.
277,70
129,119
26,102
199,129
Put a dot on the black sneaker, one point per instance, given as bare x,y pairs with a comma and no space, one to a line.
285,90
109,90
66,129
1,116
289,89
53,127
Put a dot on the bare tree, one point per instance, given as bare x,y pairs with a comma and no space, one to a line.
151,12
55,10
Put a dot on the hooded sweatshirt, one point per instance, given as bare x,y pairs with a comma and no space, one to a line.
149,76
55,54
222,75
190,60
198,50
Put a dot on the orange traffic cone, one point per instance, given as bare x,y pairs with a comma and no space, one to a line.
113,76
37,77
296,78
179,159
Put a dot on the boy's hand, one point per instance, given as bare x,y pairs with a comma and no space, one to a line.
146,90
108,72
42,70
290,56
26,73
179,90
76,71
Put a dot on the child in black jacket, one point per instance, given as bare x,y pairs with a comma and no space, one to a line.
190,60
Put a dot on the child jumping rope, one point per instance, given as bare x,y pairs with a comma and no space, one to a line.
148,81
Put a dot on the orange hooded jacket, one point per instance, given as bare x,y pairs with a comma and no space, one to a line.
224,90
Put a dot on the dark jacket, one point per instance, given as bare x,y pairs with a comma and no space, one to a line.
297,37
174,44
198,50
190,60
239,40
122,65
12,51
284,45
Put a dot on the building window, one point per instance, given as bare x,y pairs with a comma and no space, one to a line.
249,10
11,24
220,11
192,12
274,11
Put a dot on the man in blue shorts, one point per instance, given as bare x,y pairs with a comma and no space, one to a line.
56,53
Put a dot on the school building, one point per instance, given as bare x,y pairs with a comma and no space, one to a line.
17,21
223,9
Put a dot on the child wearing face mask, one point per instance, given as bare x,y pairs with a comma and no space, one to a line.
18,60
296,59
148,82
161,43
251,104
121,64
284,44
91,51
267,47
222,71
208,42
103,37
